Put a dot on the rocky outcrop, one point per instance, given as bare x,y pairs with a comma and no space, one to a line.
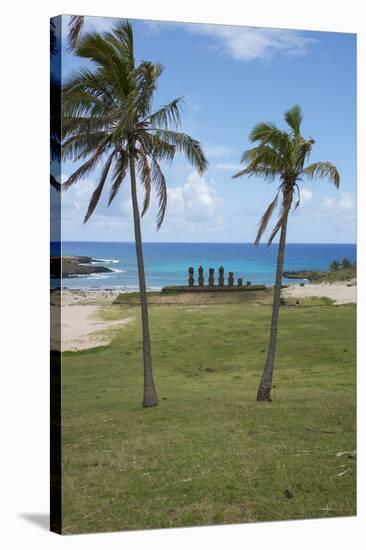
299,274
71,266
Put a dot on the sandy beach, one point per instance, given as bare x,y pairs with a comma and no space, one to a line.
79,320
340,292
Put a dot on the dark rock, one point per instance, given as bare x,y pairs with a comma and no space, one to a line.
71,266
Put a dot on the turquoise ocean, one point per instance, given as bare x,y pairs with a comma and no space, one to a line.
167,263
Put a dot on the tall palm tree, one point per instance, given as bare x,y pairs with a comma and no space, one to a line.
108,119
281,155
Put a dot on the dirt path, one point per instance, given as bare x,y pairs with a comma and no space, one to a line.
79,322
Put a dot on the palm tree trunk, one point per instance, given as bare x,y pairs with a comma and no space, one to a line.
265,386
150,396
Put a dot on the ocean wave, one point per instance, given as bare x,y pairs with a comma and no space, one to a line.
92,276
117,270
105,261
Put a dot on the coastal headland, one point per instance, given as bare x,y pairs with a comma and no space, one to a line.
72,266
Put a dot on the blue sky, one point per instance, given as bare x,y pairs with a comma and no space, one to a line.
232,78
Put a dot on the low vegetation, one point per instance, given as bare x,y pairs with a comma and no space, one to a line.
337,273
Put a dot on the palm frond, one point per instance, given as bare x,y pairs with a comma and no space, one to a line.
159,182
294,118
53,39
268,133
75,25
120,170
265,219
98,190
323,170
258,170
168,116
161,149
83,82
54,183
145,78
145,177
121,37
187,146
85,168
285,209
297,203
264,155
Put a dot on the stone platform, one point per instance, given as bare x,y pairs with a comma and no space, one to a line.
215,288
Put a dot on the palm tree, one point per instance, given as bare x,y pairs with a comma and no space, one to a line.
108,119
334,266
346,263
281,155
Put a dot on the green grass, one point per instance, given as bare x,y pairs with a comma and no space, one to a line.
209,453
338,275
175,297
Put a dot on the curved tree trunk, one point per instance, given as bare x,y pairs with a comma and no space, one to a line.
265,386
150,396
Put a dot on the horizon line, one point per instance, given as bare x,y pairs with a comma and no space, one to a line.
196,242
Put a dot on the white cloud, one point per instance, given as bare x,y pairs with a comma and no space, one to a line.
306,195
196,201
338,212
344,203
248,43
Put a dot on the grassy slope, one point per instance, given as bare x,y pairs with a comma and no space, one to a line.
209,453
338,275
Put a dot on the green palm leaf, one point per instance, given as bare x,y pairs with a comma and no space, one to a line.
323,170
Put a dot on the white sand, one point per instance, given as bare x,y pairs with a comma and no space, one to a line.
78,318
341,293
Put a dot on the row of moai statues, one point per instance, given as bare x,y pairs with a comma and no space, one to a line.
211,278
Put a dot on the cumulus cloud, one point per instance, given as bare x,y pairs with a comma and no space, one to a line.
306,195
343,203
339,212
196,201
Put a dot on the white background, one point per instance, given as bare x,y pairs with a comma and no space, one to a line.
24,206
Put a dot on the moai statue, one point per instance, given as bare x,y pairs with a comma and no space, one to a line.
201,280
249,283
190,276
211,277
231,279
221,276
240,281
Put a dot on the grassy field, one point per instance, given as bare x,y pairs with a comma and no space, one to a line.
209,453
